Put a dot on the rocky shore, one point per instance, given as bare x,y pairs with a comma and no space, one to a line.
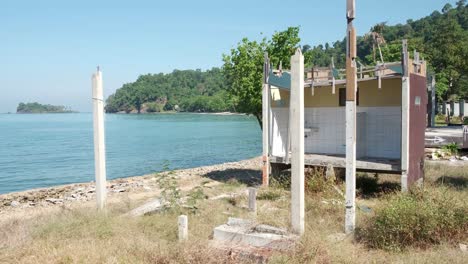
245,170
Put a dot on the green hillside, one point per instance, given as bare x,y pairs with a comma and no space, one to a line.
441,38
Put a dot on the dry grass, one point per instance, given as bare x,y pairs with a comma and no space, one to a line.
81,235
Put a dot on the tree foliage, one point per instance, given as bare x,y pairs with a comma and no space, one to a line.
243,67
191,90
35,108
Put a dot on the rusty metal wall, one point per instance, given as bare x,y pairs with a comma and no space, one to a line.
417,127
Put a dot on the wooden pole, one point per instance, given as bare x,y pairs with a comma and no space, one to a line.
433,100
351,87
297,142
99,140
265,121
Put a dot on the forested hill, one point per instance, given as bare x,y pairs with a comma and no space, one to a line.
37,108
441,38
187,90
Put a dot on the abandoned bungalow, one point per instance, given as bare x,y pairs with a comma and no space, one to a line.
391,104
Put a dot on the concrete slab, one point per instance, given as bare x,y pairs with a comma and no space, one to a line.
245,232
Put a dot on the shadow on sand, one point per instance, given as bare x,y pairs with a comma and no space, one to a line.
453,182
246,176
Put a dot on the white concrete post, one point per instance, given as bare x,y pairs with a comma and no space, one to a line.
252,199
405,102
297,142
265,123
183,227
99,140
351,87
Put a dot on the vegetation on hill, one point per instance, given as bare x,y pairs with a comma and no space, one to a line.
36,108
441,38
187,90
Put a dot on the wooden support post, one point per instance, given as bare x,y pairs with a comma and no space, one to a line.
332,70
183,227
351,87
405,101
297,142
99,140
265,121
253,200
433,101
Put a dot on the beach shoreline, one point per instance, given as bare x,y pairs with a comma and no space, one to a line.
144,185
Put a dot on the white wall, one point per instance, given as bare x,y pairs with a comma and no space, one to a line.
378,131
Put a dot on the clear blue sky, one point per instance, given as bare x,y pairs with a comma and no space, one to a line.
49,49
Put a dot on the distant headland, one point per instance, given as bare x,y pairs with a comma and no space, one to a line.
37,108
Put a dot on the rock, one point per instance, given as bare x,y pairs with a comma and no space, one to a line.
119,190
330,173
270,229
463,247
232,221
153,206
54,200
15,204
464,158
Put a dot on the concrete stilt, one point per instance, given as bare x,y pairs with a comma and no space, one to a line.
297,142
99,140
183,227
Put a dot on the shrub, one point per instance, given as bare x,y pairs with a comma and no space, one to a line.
417,219
271,194
316,182
451,148
154,107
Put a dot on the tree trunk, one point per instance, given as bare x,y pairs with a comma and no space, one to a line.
259,119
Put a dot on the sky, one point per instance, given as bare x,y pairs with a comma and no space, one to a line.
49,49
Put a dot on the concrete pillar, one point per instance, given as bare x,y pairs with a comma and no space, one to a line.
99,140
462,107
183,227
265,121
297,142
405,102
252,199
351,88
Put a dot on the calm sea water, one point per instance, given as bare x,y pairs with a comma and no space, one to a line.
41,150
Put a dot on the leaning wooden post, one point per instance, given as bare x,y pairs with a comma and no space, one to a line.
297,142
433,101
265,119
99,140
351,87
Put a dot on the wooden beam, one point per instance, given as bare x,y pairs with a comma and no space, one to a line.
297,142
265,121
351,87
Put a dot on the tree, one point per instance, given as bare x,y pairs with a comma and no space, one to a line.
243,67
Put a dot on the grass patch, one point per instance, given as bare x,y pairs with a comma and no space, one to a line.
421,218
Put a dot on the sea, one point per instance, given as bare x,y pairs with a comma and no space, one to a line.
42,150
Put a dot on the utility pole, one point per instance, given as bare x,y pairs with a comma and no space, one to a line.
351,87
99,140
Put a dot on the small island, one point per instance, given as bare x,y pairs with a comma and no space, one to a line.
37,108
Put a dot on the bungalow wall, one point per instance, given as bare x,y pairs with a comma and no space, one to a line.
378,117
